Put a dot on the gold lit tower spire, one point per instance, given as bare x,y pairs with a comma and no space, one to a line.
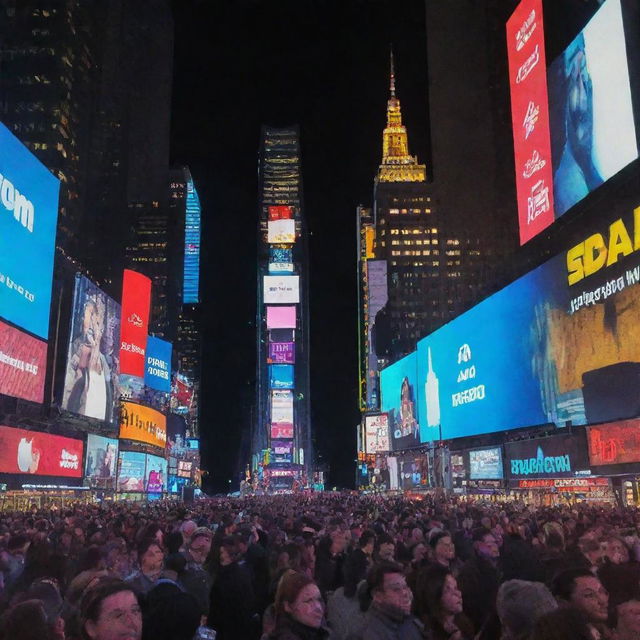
397,164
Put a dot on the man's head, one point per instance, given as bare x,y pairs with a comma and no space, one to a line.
386,547
388,586
580,589
367,541
186,529
485,545
200,544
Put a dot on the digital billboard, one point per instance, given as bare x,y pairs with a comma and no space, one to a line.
176,484
281,231
281,376
102,461
280,260
23,363
134,326
133,389
131,467
376,433
280,212
413,470
400,402
281,430
191,288
39,454
28,220
282,450
281,406
281,289
185,467
181,394
554,457
485,464
143,424
282,335
91,377
614,443
193,444
282,352
157,372
281,317
156,474
378,297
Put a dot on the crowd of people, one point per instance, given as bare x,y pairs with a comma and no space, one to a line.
321,565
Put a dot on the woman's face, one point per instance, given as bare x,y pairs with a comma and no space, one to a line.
152,559
451,600
308,607
120,618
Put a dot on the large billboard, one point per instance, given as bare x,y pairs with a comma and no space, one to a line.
281,376
281,289
156,474
614,443
376,433
378,296
281,406
23,363
91,378
281,231
136,302
39,454
280,260
157,372
143,424
485,464
191,288
282,352
101,465
28,220
281,430
281,317
400,402
131,467
282,450
280,212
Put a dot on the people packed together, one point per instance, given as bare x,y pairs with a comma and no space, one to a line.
321,565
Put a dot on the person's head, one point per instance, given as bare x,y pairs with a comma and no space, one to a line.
172,615
386,547
565,623
485,545
437,594
150,556
626,614
186,529
388,586
616,551
110,611
519,605
228,551
580,589
27,620
418,552
590,548
367,541
200,544
18,544
298,597
443,549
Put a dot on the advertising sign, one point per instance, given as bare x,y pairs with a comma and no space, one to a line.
281,212
485,464
400,401
23,363
378,296
413,471
281,231
281,430
176,484
143,424
553,457
281,317
376,433
39,454
131,466
102,460
458,468
136,301
185,468
282,352
155,474
181,394
133,389
157,373
281,376
614,443
91,378
281,406
568,485
282,450
193,444
280,260
530,118
281,289
28,220
282,335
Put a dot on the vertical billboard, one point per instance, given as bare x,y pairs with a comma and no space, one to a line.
280,260
131,471
156,474
378,297
143,424
157,372
191,288
281,289
23,362
281,376
134,326
399,401
101,465
530,118
614,443
39,454
91,377
376,433
28,220
281,406
281,317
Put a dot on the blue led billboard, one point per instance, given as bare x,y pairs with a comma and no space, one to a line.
191,290
400,400
281,376
28,219
280,260
486,464
157,371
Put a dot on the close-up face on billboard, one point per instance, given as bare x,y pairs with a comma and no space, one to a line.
91,378
143,424
28,219
102,460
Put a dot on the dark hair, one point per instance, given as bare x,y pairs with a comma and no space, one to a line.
92,599
290,585
428,595
384,538
479,534
366,537
436,537
562,624
17,542
145,545
26,620
171,614
564,583
375,577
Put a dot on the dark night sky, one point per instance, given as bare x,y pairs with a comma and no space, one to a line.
324,65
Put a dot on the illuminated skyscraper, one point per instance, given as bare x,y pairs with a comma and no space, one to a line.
281,442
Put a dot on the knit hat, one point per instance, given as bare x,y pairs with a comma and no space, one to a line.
520,603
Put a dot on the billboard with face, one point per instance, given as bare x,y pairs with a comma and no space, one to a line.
102,461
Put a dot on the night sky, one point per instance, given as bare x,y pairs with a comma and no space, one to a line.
322,64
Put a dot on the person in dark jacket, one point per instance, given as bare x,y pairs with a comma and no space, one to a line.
330,560
359,562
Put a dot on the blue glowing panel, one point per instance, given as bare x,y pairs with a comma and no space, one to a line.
191,291
157,372
281,376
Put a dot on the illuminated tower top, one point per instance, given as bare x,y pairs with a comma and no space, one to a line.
397,164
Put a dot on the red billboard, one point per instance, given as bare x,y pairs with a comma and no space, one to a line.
614,443
39,454
530,118
280,430
134,325
281,212
23,362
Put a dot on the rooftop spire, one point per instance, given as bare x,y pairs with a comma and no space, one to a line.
393,75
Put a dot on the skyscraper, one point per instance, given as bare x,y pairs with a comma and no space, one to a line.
281,441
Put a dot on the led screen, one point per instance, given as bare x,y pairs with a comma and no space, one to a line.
281,376
282,450
102,459
28,219
193,443
133,389
282,352
281,289
614,443
157,373
184,468
155,474
181,394
280,212
23,362
376,433
280,260
378,296
281,317
281,430
282,335
281,406
39,454
91,378
413,470
191,288
143,424
136,301
281,231
131,467
485,464
176,483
